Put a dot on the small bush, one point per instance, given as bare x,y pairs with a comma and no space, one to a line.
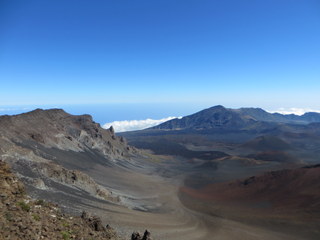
8,216
36,217
65,224
24,206
40,202
65,235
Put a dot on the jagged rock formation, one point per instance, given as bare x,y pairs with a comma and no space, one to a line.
93,222
137,236
24,218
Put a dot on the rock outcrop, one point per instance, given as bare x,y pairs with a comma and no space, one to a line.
137,236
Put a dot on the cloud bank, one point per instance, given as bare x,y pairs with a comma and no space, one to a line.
297,111
131,125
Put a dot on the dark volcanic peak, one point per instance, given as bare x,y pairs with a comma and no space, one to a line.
221,117
214,117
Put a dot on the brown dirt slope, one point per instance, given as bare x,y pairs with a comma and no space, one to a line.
294,191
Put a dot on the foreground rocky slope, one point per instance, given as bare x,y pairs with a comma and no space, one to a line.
24,218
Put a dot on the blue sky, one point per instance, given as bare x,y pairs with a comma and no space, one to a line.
185,53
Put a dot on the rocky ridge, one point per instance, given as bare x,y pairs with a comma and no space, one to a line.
50,147
55,128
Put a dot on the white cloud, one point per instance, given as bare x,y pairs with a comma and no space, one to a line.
131,125
297,111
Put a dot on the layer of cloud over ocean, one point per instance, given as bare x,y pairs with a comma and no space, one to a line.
131,125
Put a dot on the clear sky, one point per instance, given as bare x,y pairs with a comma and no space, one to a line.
184,52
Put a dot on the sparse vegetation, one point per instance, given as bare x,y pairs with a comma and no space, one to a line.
8,216
65,235
65,224
24,206
40,202
36,217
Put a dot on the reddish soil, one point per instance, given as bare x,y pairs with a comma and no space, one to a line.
295,191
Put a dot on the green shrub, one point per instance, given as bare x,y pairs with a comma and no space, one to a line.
65,224
65,235
40,202
36,217
8,216
24,206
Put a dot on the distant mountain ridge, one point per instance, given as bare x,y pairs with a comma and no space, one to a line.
221,117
